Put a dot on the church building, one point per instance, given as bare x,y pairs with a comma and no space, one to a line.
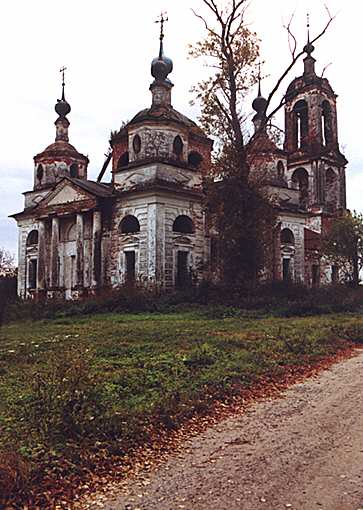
148,226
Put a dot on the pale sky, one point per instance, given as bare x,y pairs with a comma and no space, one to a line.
108,46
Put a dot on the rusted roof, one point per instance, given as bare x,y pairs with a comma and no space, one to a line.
61,148
95,188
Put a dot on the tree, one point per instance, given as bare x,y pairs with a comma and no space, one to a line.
343,245
243,214
7,280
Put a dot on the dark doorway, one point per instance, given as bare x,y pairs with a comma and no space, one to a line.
315,275
130,266
334,274
32,274
286,270
182,273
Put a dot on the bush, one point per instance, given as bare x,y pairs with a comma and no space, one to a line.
64,400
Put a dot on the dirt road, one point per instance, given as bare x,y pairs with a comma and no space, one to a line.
303,451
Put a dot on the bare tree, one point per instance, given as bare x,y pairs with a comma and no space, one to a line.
242,214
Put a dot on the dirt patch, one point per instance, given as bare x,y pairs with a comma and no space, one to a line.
302,451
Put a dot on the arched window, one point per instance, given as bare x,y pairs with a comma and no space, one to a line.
300,181
129,225
301,124
326,124
40,172
123,160
32,239
287,236
280,170
195,159
73,170
183,224
178,146
136,144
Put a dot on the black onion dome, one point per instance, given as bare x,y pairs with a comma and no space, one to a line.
259,104
62,107
309,48
161,66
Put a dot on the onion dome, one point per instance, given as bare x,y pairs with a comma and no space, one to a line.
62,107
259,105
161,66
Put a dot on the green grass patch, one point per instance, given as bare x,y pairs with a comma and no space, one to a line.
71,383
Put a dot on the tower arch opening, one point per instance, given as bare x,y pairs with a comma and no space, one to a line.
301,124
33,238
326,123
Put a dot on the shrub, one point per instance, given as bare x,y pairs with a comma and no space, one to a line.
64,399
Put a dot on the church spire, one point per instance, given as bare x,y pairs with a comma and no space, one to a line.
161,67
309,61
62,108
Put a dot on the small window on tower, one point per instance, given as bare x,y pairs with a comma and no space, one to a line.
73,171
40,172
124,160
195,159
178,146
136,144
280,170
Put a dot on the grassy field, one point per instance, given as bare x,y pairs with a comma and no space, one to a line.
70,385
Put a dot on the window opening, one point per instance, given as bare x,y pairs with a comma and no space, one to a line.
182,273
32,281
183,224
315,275
178,146
286,270
73,171
195,159
130,259
129,225
136,144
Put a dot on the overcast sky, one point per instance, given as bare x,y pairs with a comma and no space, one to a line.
108,46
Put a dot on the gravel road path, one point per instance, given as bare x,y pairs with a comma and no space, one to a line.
303,451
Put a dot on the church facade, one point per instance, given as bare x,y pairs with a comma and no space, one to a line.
148,226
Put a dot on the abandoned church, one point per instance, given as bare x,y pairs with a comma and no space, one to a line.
148,224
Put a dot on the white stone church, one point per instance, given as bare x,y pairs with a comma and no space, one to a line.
147,226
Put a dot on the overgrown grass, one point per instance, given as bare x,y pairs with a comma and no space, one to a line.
105,382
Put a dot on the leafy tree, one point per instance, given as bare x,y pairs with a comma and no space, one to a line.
242,214
343,245
7,267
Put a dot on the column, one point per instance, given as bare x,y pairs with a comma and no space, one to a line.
79,250
41,257
54,266
96,248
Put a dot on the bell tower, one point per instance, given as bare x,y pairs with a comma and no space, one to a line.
315,164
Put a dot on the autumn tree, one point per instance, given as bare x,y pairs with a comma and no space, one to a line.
7,280
243,215
343,245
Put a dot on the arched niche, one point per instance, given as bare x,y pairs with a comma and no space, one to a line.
178,146
301,124
300,181
129,225
183,225
32,239
287,237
